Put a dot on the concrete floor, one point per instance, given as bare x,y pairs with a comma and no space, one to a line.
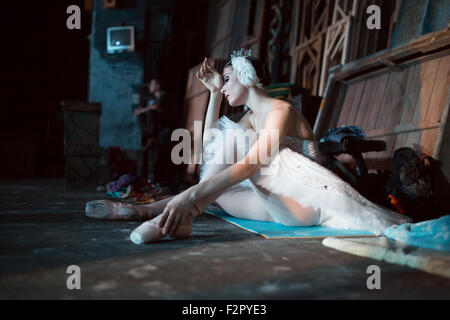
43,230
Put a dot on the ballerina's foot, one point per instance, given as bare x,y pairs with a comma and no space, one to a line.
150,231
146,233
107,209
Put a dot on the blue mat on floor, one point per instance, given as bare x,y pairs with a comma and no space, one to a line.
272,230
431,234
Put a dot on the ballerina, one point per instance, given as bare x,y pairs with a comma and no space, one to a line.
297,191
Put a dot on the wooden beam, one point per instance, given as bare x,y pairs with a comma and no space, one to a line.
403,128
436,40
338,46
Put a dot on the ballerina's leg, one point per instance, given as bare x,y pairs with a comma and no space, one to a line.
231,199
285,210
158,206
110,210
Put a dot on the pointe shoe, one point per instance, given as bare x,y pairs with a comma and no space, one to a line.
146,233
150,231
107,209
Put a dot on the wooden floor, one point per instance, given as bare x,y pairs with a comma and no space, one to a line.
43,230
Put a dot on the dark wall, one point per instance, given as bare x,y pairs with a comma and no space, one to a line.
184,48
46,63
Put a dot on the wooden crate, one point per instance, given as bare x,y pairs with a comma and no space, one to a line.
81,123
82,165
81,143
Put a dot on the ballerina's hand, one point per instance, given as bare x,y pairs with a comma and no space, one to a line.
179,207
209,77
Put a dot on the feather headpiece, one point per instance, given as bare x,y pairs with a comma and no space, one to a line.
244,69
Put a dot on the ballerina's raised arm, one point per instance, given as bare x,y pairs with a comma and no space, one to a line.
213,81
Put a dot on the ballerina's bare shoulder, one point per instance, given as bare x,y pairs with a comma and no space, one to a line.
298,127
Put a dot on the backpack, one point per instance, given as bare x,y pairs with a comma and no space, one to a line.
338,134
418,188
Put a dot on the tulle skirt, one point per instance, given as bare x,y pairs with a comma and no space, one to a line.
295,172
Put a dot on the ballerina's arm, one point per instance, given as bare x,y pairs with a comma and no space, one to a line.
212,113
213,81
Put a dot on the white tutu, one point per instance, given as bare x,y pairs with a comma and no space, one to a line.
295,172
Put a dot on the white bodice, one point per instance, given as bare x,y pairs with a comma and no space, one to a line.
308,148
